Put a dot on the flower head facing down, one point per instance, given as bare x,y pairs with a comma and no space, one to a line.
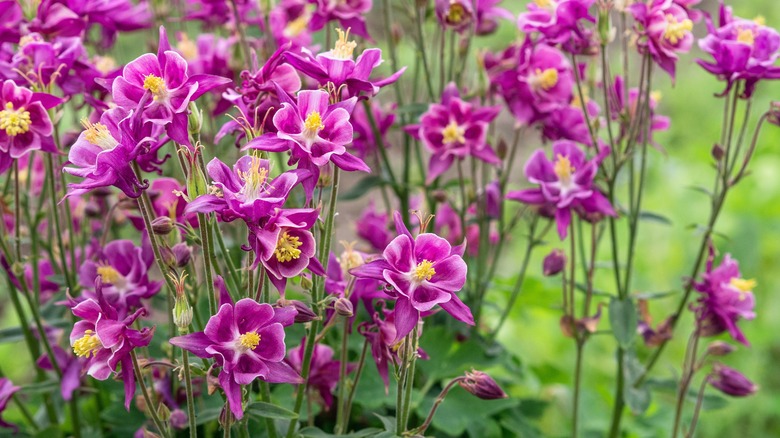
323,371
423,272
482,385
24,123
730,381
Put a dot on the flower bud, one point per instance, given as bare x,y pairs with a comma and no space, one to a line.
773,116
163,412
182,311
196,181
306,283
304,315
554,263
482,386
195,119
182,253
730,381
162,225
178,419
343,307
719,348
717,152
440,196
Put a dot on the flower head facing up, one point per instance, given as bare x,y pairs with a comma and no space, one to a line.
565,184
423,272
454,129
246,340
725,298
455,14
24,123
559,22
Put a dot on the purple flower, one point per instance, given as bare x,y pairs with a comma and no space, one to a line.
11,16
730,381
289,22
488,15
454,129
124,272
337,67
741,50
323,371
7,390
455,14
565,182
628,108
664,29
168,201
372,226
106,341
725,298
349,14
568,123
161,87
24,123
559,22
364,143
423,272
71,366
246,339
482,385
339,279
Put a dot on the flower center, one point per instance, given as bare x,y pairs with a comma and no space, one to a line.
287,248
676,30
760,20
563,168
249,341
110,275
746,36
424,271
544,79
254,179
544,3
105,64
14,122
156,85
313,124
87,345
456,14
453,133
98,135
297,26
343,48
743,286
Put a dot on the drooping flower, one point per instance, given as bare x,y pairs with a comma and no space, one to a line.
565,183
161,88
423,272
246,340
629,108
725,298
741,50
24,123
454,129
482,385
70,365
323,371
7,390
488,15
106,341
349,13
730,381
569,123
560,22
664,29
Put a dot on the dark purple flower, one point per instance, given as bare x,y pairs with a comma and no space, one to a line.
349,14
482,385
423,272
289,22
11,16
568,122
488,15
730,381
372,226
725,298
7,390
246,339
364,143
323,371
664,29
560,22
565,182
71,366
24,123
554,263
106,341
454,129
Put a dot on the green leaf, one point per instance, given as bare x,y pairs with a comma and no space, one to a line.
14,334
623,318
207,415
267,410
461,411
654,295
387,422
41,387
362,187
654,217
637,398
49,432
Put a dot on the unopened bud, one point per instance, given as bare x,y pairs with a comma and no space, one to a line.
306,283
554,263
163,412
773,116
482,386
343,307
195,119
730,381
178,419
182,253
502,148
162,225
717,152
304,315
196,181
719,348
182,311
440,196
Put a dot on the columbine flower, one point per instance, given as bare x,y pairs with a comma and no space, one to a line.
423,272
364,144
455,129
372,226
741,50
730,381
289,22
725,298
106,341
337,67
482,385
24,123
349,13
488,15
665,29
629,108
246,339
323,371
559,22
162,89
7,390
71,366
455,14
124,272
565,182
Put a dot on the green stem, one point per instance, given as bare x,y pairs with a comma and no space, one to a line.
145,392
442,395
265,396
57,227
232,273
205,238
188,388
697,409
617,411
341,422
577,385
311,337
353,389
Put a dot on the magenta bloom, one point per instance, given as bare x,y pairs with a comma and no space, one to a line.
488,15
454,129
289,22
246,339
324,371
559,22
161,88
349,14
71,366
730,381
725,298
568,123
7,390
24,123
565,183
364,143
664,31
372,226
106,341
423,272
628,107
741,50
11,17
455,14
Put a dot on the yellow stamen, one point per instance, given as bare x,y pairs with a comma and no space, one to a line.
187,47
87,345
297,26
313,124
156,85
287,248
656,96
254,178
563,168
543,3
743,285
350,258
544,79
98,135
249,340
14,122
676,30
343,48
424,271
746,36
760,20
109,274
456,14
105,64
453,133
